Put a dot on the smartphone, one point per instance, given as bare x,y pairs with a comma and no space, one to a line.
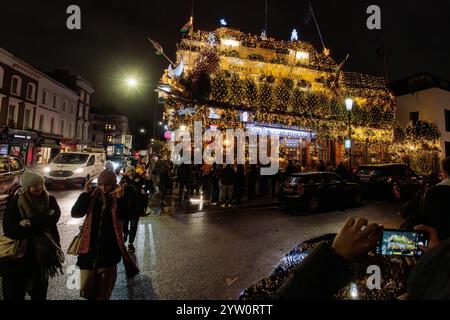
401,243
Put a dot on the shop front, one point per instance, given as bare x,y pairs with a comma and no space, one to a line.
68,145
21,145
47,148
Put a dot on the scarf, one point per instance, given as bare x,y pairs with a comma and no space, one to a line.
130,266
48,254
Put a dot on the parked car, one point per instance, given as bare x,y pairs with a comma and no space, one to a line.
10,170
74,167
396,181
316,190
119,162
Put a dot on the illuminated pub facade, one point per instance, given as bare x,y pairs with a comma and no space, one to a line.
228,79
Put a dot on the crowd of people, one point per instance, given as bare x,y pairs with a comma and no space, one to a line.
112,210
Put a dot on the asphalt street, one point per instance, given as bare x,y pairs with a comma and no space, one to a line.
208,255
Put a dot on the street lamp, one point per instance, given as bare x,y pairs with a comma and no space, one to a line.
142,130
160,123
131,83
349,106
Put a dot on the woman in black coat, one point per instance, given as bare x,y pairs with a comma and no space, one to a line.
32,215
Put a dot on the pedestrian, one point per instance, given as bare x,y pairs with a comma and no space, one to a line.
136,199
321,166
32,215
274,182
215,188
164,183
183,178
252,180
101,246
341,171
436,205
227,178
291,168
239,184
330,167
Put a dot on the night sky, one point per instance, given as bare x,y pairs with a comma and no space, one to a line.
112,42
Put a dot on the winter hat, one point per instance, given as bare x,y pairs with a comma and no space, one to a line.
30,179
107,177
130,168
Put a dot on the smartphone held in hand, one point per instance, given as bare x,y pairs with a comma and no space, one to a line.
401,243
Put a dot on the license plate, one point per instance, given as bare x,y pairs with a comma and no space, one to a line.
59,179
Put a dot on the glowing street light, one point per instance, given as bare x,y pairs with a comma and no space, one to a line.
142,130
132,83
160,123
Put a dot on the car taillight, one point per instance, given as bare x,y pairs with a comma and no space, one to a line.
300,188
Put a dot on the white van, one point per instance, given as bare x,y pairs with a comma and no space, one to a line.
74,167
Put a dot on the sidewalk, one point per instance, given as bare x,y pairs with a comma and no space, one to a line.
196,205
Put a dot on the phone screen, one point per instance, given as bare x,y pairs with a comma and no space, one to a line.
401,243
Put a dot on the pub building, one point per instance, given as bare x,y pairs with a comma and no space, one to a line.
227,79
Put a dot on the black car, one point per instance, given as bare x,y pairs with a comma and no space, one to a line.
316,190
395,181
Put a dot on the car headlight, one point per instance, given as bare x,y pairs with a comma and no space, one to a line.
46,169
79,170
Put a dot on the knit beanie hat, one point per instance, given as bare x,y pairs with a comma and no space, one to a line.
107,177
130,168
30,179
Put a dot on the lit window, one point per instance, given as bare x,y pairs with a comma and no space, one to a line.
230,42
301,55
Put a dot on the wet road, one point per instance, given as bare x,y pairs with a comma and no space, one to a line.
209,255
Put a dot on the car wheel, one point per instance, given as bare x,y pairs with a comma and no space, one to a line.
396,192
313,204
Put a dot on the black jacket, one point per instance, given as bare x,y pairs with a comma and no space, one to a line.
436,210
321,275
227,176
133,195
13,230
104,248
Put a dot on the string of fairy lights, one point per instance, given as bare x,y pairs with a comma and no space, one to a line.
312,102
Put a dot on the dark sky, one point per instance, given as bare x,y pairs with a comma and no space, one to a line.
112,42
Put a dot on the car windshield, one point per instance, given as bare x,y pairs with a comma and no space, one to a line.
370,171
115,159
300,179
71,158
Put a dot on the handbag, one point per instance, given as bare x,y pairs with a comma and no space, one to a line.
11,249
75,243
